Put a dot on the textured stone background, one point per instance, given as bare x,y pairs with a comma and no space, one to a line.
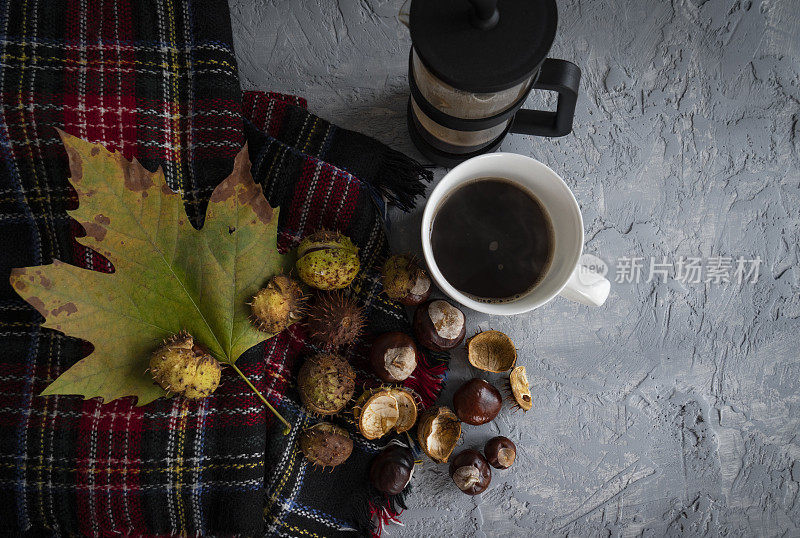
675,407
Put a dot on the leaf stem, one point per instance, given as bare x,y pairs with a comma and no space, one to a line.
288,427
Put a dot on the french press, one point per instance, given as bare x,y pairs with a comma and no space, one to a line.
471,67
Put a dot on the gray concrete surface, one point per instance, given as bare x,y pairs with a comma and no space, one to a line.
674,408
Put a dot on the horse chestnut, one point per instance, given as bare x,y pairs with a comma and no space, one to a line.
405,281
327,260
393,357
477,402
500,452
438,325
326,444
391,470
471,472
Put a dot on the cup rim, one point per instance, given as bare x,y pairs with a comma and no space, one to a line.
432,203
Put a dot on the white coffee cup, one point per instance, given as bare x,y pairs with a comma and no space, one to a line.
565,276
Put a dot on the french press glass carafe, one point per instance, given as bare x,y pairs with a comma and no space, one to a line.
471,67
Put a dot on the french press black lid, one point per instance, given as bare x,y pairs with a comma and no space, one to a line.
471,67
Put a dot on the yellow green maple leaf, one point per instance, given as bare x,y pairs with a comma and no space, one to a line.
168,276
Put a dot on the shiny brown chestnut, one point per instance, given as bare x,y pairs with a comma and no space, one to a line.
477,402
471,472
500,452
393,356
391,470
438,325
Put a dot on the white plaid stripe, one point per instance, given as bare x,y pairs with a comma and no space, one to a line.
90,470
118,56
140,111
171,460
126,509
169,168
235,485
277,509
82,68
110,440
139,47
309,197
189,97
197,473
128,70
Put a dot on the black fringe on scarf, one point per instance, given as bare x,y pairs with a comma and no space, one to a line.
401,180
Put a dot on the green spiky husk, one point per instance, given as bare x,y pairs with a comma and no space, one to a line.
182,367
326,383
398,275
327,260
278,304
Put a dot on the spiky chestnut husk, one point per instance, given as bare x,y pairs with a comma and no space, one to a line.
326,383
327,260
405,281
376,412
278,304
326,444
181,366
335,320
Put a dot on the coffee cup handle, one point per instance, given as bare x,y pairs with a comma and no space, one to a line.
586,288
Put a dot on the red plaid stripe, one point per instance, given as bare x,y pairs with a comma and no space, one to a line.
156,80
323,198
315,194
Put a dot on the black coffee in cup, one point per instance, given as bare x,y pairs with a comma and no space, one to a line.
492,240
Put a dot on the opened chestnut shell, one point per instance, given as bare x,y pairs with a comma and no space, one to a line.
500,452
492,351
393,356
406,407
471,472
438,432
375,413
438,325
520,390
391,470
477,402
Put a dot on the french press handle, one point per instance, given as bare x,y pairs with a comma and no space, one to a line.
557,76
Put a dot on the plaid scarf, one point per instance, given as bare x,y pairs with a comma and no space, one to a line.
157,80
315,193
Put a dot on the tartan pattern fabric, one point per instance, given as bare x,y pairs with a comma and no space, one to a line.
387,172
315,194
157,81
